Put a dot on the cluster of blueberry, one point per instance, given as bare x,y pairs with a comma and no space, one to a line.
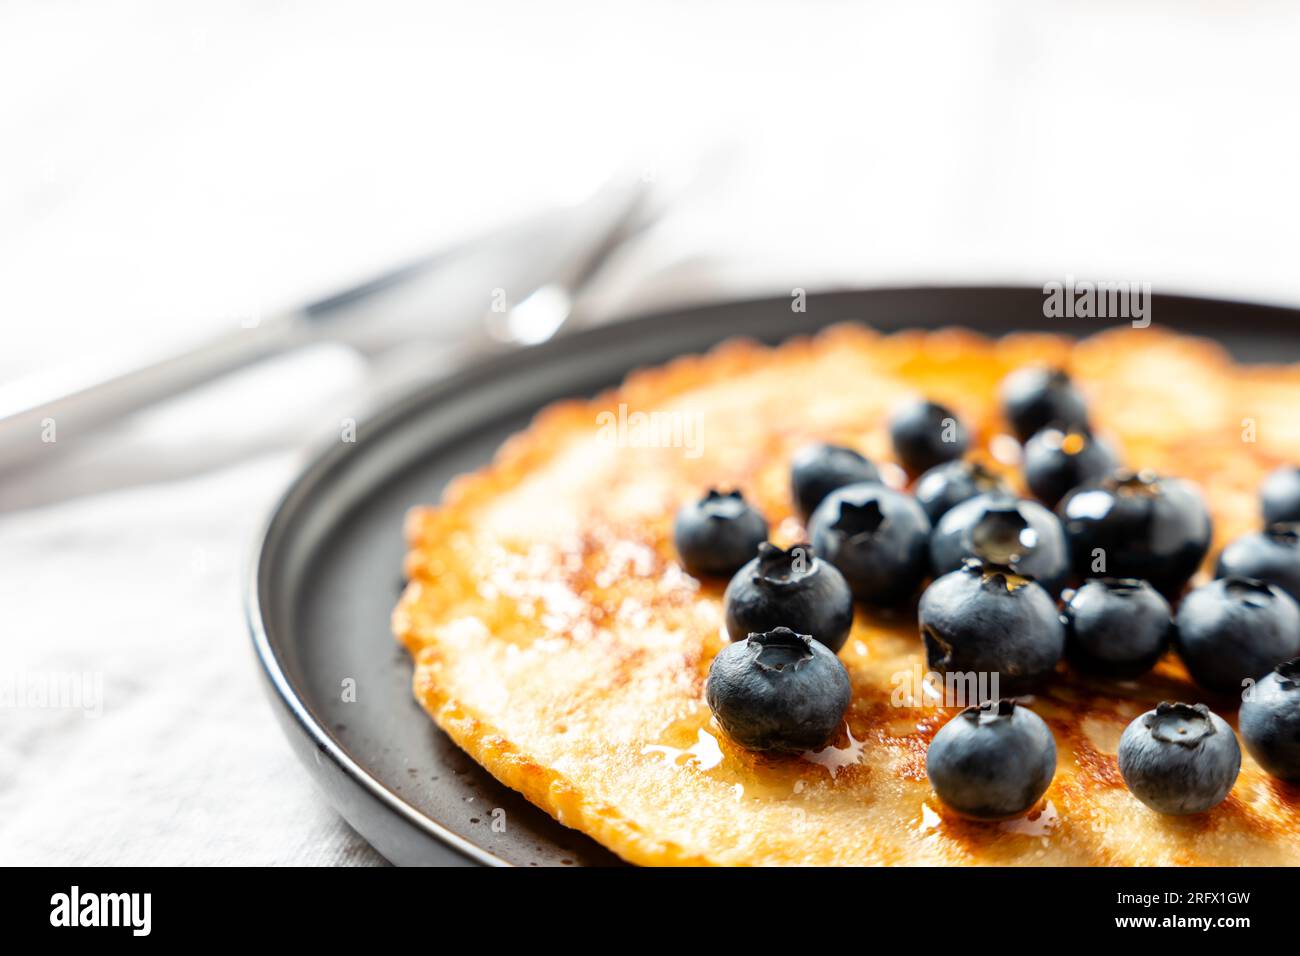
999,566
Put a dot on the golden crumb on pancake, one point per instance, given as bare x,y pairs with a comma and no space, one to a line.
558,641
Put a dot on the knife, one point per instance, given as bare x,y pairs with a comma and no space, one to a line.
513,287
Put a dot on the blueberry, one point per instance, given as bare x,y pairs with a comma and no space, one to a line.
793,589
1057,462
1000,529
1280,495
778,691
1033,398
945,486
877,538
1118,627
992,762
926,434
983,620
718,533
1137,525
1236,629
1179,758
817,470
1272,555
1270,721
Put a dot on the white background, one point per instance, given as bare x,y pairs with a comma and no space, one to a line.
165,167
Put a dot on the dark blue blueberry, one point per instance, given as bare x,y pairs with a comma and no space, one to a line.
817,470
1001,529
1057,462
992,762
945,486
794,589
718,534
1179,758
1280,496
1137,525
1033,398
1117,627
1234,630
926,434
1270,721
1272,555
983,620
877,538
778,691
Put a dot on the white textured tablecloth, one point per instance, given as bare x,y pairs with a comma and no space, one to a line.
183,763
168,168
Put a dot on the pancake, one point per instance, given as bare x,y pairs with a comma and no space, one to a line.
558,641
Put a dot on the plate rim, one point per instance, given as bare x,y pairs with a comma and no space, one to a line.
290,698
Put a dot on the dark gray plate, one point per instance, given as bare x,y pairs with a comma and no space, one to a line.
327,570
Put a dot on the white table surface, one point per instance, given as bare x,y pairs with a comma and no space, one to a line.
168,168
